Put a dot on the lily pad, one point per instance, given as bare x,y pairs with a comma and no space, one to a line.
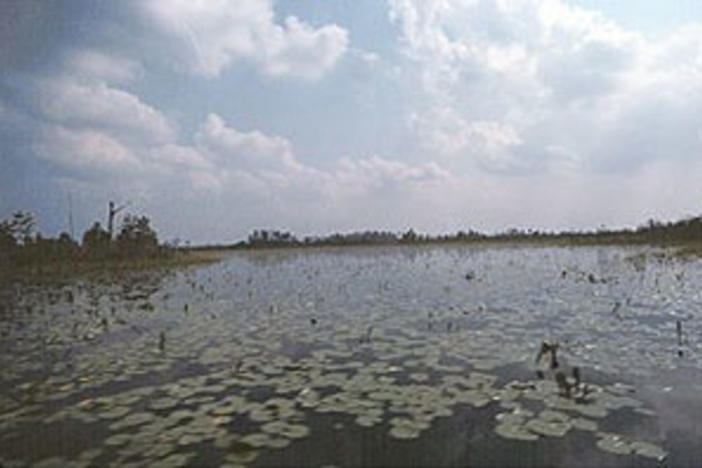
134,419
592,411
242,457
614,444
163,403
584,424
189,439
514,431
509,418
278,443
292,431
118,439
548,428
649,450
114,413
554,416
174,460
404,432
257,439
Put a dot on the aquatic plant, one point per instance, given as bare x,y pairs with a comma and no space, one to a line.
249,385
548,349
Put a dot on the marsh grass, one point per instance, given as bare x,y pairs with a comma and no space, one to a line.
73,268
686,250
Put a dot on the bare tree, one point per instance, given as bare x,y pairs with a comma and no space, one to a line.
112,212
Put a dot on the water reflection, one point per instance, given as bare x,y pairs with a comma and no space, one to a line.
268,354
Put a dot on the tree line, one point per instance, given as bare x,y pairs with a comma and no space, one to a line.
21,243
653,232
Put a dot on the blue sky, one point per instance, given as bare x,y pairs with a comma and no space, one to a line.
216,118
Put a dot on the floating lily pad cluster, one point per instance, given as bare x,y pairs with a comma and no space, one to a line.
561,415
228,356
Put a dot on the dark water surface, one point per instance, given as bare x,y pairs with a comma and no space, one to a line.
349,357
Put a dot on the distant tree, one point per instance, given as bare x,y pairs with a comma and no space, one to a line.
136,237
20,227
15,235
409,236
7,238
255,238
96,241
8,243
271,238
65,239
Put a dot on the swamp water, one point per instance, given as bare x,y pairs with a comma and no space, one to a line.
372,356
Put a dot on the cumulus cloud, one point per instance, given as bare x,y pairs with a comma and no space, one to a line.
249,170
180,156
267,163
71,102
106,67
538,85
489,114
245,150
376,173
490,144
215,34
86,151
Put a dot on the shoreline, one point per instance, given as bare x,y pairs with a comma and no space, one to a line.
678,248
60,270
52,271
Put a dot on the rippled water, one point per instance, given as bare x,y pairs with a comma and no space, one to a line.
370,356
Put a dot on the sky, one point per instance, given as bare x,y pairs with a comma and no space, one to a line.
218,117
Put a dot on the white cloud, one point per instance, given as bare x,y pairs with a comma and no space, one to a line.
257,177
205,180
379,173
237,167
253,151
271,161
563,160
105,67
518,113
370,58
520,85
96,105
302,51
181,156
217,33
86,151
488,144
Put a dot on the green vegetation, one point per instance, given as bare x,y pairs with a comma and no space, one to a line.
686,234
136,245
28,254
